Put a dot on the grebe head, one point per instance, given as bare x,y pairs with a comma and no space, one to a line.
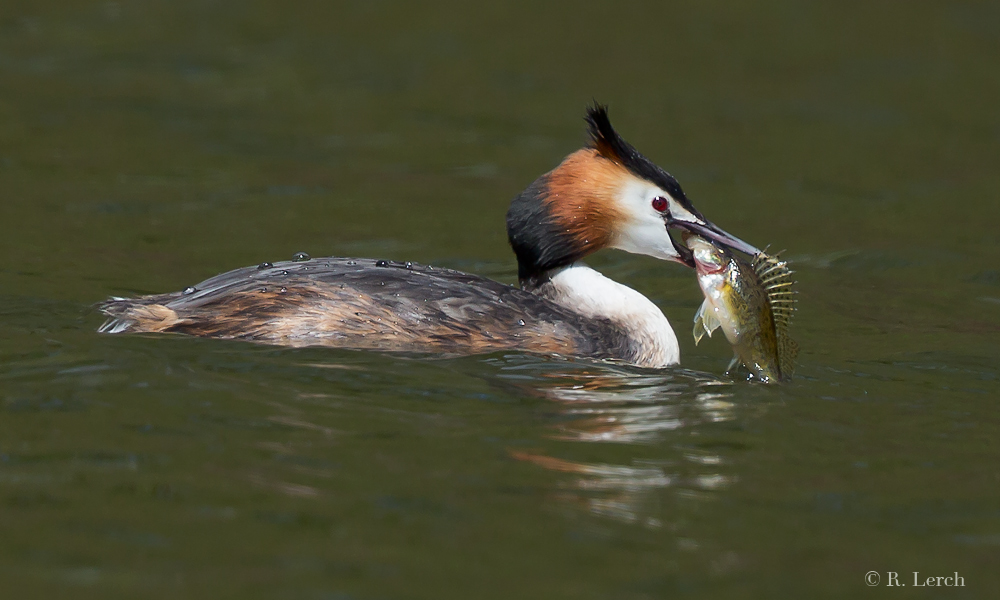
606,195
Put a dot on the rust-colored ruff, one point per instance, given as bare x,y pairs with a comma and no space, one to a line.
583,197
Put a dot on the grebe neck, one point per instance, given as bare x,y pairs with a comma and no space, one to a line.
585,291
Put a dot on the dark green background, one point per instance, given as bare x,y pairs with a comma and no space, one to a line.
146,145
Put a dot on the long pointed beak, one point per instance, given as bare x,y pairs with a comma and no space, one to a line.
709,231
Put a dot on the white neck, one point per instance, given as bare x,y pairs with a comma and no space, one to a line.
587,292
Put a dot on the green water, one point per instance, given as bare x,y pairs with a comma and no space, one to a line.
146,145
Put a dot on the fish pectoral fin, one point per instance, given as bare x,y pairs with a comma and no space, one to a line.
705,322
699,325
699,330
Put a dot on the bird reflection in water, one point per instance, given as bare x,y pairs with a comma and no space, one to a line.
599,404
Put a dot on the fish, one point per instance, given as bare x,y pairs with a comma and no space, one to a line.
753,303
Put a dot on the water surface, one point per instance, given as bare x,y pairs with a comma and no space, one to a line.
145,146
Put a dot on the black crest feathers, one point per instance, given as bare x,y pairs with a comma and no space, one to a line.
603,136
613,147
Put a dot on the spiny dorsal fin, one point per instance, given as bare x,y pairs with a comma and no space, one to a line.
777,280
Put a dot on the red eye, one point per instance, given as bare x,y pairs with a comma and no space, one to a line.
660,204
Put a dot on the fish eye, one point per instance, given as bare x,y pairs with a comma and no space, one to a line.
660,204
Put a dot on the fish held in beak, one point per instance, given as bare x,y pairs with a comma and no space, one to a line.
752,302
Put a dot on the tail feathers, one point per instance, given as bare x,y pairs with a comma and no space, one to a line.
136,316
116,325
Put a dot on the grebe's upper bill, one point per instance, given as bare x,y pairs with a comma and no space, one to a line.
605,195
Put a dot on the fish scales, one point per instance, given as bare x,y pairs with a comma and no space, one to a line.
752,302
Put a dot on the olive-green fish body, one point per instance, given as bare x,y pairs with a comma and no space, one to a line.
752,303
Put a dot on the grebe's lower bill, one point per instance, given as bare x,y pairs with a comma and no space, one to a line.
605,195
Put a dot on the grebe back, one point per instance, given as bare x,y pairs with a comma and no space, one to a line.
605,195
370,304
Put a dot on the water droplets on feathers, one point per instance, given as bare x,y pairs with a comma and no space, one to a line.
217,307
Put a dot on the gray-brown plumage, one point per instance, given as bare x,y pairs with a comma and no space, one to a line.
364,303
605,195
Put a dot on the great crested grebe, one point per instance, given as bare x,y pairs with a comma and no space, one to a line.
605,195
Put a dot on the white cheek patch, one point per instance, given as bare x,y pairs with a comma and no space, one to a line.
644,231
